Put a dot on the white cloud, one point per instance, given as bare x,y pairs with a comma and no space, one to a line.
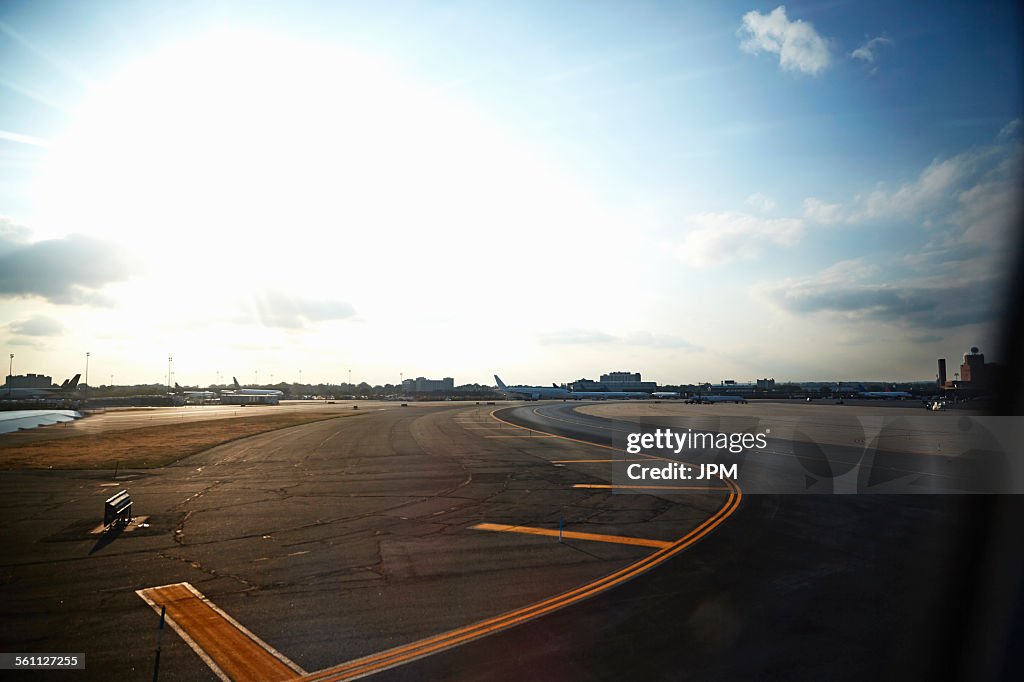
716,238
990,208
932,189
71,270
818,211
760,202
799,46
866,52
39,325
1011,130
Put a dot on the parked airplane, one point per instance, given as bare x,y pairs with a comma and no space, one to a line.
665,394
193,396
608,395
887,395
238,390
702,399
532,392
68,386
538,392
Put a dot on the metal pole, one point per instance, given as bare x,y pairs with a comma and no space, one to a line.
10,376
86,368
159,638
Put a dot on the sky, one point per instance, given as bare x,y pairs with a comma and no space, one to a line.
546,191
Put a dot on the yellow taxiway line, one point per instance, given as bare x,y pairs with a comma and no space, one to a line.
572,535
234,653
447,640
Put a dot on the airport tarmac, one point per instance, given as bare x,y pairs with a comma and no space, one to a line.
338,540
123,418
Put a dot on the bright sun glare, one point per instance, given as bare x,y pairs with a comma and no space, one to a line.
257,147
313,172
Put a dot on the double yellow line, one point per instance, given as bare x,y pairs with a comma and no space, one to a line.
447,640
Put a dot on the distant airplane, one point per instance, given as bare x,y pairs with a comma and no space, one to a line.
195,395
531,392
886,395
238,390
606,395
665,394
538,392
68,386
698,399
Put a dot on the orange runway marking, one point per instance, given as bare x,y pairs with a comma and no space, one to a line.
572,535
231,651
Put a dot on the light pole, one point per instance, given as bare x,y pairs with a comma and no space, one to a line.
300,377
169,359
350,377
87,368
10,376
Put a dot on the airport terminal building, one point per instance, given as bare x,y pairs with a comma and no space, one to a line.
423,385
615,381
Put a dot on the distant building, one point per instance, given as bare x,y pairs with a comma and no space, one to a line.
623,381
972,371
730,386
766,383
423,385
941,378
28,381
977,374
620,377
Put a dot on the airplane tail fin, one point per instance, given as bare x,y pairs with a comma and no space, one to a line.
73,384
555,385
177,386
501,384
65,384
235,379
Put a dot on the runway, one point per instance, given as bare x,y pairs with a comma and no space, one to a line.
424,539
